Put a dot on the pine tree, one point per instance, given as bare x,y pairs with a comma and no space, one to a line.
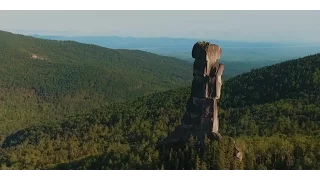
197,162
162,167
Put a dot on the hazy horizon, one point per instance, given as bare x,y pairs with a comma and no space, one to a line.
253,26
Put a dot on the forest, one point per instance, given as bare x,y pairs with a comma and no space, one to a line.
69,78
272,113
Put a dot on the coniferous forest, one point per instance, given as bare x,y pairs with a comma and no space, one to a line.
87,107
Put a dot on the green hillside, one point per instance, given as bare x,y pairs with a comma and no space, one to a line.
295,79
281,132
66,78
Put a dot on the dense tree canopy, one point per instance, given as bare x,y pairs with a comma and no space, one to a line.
295,79
66,78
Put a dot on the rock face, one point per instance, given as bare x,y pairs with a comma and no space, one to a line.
34,56
202,106
201,116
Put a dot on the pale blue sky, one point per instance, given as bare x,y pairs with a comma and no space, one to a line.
283,26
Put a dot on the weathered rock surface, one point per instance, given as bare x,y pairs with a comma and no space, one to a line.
201,116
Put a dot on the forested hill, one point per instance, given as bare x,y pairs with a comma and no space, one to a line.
276,133
46,80
295,79
63,67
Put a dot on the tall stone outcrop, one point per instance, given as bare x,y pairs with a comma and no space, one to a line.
202,106
201,116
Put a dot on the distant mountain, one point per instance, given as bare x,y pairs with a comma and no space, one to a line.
180,47
261,52
238,56
151,43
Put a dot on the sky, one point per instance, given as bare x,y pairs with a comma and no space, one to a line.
266,26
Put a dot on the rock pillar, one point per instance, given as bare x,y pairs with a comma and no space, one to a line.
202,106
